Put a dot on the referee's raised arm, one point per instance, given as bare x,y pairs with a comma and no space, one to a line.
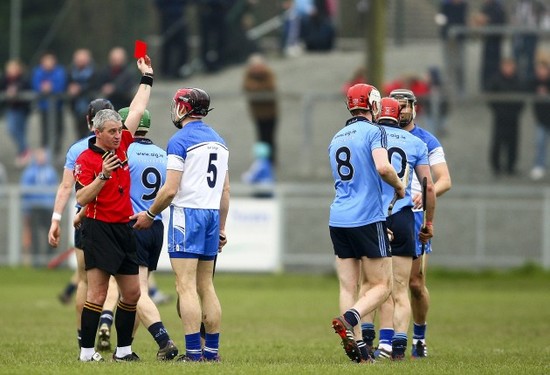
141,99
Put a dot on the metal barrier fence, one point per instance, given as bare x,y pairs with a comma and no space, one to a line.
476,227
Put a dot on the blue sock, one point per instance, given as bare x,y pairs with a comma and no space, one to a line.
352,317
211,345
152,291
106,317
69,289
368,333
419,331
159,333
386,335
193,346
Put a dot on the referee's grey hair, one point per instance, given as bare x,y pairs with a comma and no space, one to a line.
101,117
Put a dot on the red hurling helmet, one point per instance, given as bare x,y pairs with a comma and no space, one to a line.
363,96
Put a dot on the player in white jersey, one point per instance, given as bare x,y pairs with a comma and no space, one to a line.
359,163
197,191
420,298
147,164
62,198
406,153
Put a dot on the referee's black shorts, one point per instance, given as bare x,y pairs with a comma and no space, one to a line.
111,247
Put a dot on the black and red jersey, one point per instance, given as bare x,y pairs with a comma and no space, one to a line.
112,204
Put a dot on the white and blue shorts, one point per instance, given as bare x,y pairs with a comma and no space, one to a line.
193,233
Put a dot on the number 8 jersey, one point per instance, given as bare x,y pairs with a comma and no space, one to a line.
358,199
201,154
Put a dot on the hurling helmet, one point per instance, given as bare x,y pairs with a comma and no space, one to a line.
407,98
364,96
144,122
95,106
196,103
390,110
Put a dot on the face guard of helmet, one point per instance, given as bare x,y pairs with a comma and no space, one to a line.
189,102
407,100
363,97
144,122
390,112
96,106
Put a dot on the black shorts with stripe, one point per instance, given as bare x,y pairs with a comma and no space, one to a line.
111,247
369,241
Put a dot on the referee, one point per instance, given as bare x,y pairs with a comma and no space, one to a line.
103,185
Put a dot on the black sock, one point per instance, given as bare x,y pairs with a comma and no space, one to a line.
124,323
368,333
399,344
363,349
88,322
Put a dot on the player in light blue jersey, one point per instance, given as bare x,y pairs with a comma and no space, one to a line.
359,163
197,191
147,164
406,153
62,197
420,298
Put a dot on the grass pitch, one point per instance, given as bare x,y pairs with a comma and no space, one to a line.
486,323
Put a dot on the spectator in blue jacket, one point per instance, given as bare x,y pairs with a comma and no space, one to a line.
49,78
39,181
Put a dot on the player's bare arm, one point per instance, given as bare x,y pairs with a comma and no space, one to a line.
423,171
61,199
442,183
442,178
224,209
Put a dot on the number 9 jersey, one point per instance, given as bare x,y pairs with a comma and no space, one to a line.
201,154
147,172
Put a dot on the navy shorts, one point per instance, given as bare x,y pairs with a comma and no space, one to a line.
149,244
402,225
369,241
111,247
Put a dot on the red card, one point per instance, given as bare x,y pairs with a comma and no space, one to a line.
140,49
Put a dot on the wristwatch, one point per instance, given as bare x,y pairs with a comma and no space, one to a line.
103,177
